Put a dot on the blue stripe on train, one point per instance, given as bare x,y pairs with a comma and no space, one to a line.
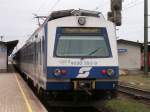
58,86
73,72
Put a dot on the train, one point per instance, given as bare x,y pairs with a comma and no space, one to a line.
72,51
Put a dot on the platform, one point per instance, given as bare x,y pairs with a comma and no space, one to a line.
16,96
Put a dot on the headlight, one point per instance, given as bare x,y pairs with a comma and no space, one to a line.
57,72
104,72
82,20
110,72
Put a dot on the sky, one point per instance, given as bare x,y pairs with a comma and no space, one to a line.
17,20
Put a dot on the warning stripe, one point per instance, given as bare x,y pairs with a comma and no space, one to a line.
24,96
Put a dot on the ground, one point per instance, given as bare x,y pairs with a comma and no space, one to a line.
136,80
126,105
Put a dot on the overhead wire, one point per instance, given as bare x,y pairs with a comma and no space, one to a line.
132,2
56,3
133,5
42,5
129,5
100,6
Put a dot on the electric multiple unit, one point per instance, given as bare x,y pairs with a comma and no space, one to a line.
73,50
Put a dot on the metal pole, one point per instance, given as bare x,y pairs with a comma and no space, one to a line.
145,37
1,38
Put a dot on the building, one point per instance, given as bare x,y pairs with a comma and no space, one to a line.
6,49
3,56
129,54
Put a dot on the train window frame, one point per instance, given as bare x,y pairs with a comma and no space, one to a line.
102,32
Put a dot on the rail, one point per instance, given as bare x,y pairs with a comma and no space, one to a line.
139,93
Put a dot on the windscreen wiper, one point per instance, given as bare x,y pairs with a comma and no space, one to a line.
94,51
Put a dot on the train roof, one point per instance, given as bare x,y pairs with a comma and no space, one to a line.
66,13
72,12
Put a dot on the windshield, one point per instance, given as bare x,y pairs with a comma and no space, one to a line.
82,46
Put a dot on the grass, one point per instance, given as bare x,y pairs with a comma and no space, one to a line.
124,105
139,81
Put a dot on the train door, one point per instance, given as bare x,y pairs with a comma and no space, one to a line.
36,61
42,76
39,59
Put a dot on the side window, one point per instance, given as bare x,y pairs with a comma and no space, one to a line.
36,36
39,51
42,44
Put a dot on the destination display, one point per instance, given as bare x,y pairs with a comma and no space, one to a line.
81,30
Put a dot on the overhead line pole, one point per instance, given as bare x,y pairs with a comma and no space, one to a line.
1,38
146,37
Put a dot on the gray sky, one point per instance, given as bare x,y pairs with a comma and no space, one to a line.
17,22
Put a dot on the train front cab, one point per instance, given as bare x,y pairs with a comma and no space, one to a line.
100,78
85,61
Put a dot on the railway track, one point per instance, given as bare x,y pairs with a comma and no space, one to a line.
58,106
137,93
73,109
67,106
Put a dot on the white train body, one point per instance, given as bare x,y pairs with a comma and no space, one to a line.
72,52
72,21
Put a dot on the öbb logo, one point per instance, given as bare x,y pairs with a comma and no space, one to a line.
84,72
